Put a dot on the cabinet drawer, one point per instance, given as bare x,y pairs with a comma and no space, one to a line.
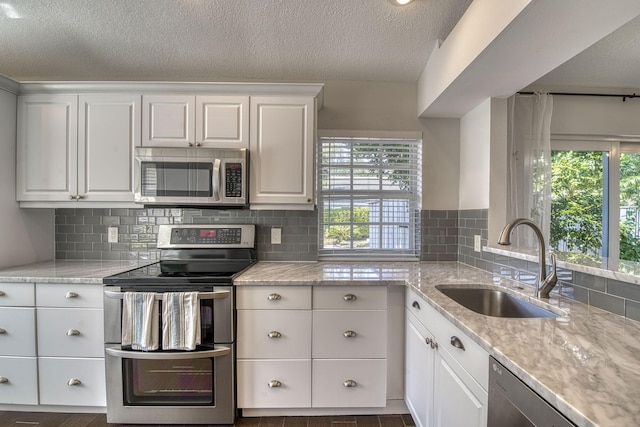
268,334
70,332
331,388
68,295
290,382
18,327
350,297
273,297
350,334
17,295
417,306
57,387
21,385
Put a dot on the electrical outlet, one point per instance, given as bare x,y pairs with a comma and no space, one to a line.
477,243
276,236
112,235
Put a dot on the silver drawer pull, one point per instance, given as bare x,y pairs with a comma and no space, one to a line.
416,304
4,380
274,334
431,342
71,295
3,331
74,381
73,332
349,334
274,384
274,297
349,383
349,297
455,341
2,293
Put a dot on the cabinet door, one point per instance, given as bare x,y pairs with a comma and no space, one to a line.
222,121
109,132
282,141
419,365
168,120
47,142
459,401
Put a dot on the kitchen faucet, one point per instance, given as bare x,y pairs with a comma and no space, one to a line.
545,283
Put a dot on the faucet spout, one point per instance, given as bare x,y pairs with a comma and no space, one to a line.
545,283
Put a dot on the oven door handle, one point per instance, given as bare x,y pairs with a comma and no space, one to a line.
218,351
201,295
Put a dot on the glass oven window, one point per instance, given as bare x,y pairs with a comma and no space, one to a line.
169,382
177,179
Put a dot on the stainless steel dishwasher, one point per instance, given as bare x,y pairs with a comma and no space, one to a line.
513,404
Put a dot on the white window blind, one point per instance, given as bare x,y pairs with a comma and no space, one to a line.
369,197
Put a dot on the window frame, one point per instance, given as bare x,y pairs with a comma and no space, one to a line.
614,146
414,197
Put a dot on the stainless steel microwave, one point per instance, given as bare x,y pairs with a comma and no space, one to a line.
205,177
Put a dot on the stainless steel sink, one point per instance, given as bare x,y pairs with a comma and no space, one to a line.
494,302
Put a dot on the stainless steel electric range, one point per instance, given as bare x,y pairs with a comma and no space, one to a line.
180,387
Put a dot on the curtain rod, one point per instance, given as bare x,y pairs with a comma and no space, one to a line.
610,95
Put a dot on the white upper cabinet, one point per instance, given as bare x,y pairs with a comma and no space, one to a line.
109,132
282,148
77,148
213,121
47,147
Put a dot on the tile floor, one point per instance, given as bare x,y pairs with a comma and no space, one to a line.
46,419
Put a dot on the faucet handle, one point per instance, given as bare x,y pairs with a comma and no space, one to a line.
550,281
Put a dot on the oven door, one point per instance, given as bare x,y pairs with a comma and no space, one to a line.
194,387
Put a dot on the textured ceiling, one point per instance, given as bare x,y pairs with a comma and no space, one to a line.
216,40
612,63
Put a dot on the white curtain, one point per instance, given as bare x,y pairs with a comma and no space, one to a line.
529,150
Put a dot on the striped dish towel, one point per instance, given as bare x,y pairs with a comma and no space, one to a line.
180,321
140,321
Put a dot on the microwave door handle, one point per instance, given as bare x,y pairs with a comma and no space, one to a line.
216,179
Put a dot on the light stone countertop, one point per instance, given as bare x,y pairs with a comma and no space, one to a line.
67,271
586,363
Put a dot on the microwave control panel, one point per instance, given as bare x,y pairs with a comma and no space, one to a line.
233,179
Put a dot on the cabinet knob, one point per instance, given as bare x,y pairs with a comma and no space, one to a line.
4,380
349,297
198,144
73,381
73,332
79,196
3,331
431,342
274,384
349,334
2,293
190,144
72,197
416,304
455,341
71,295
274,334
274,297
349,383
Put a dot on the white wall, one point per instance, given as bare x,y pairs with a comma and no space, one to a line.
392,106
27,234
475,149
595,116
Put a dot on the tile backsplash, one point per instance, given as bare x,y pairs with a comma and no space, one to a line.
446,235
82,233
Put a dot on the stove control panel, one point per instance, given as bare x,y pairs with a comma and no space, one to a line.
206,236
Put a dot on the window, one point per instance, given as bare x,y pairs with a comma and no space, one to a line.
369,195
595,208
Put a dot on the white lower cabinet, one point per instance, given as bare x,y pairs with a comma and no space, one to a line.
312,347
279,383
352,383
18,380
72,381
444,384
